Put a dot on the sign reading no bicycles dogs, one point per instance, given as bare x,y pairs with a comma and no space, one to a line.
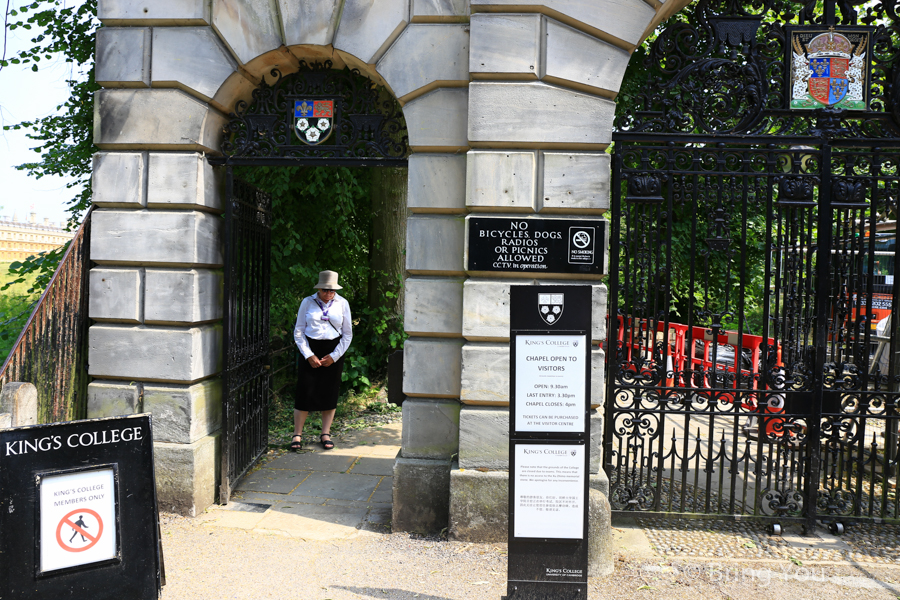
78,513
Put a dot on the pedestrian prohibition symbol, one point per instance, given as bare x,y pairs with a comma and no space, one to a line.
85,526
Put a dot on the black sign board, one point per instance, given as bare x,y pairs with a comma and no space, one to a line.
549,433
78,512
536,245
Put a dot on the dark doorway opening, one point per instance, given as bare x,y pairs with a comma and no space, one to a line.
301,200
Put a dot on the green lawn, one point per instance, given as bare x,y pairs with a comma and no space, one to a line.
14,309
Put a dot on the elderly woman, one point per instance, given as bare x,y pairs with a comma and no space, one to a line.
323,333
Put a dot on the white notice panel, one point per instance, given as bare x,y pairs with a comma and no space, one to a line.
550,383
549,488
78,519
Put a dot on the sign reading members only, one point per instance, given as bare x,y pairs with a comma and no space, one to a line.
78,511
548,441
78,519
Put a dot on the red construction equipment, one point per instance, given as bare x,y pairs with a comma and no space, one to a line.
707,363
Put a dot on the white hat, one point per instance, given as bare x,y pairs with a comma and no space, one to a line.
328,281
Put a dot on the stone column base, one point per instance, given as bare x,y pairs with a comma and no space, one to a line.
479,512
421,495
187,475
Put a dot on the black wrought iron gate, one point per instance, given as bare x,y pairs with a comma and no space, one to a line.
753,244
245,379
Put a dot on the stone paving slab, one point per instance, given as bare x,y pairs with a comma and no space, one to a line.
340,486
318,494
749,540
312,462
313,522
369,465
384,492
354,503
271,480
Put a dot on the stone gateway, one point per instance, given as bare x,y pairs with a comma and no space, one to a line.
509,107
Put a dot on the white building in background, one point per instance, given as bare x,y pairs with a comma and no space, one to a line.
19,240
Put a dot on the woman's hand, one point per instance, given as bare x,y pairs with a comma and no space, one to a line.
314,362
327,361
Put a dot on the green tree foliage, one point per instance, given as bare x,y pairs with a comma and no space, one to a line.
322,219
64,140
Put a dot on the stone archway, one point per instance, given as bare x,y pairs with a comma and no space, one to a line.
509,106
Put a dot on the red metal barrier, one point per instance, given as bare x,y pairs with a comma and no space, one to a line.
691,361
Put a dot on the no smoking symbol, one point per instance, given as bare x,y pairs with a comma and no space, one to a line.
581,239
83,528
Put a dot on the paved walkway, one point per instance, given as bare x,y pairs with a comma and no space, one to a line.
345,493
318,494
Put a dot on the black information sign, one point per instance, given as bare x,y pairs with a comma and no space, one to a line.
78,512
549,430
536,245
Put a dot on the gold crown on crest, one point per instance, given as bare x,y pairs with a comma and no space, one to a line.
830,44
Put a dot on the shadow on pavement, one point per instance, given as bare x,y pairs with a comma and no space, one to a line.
390,592
887,586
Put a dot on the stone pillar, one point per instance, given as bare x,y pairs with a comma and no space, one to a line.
156,292
19,402
527,136
427,70
540,119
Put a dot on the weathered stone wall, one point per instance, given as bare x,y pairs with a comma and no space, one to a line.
509,107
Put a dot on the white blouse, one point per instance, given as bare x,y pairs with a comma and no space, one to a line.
310,324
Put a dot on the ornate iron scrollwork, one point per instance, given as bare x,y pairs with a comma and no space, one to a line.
797,189
645,187
367,123
731,68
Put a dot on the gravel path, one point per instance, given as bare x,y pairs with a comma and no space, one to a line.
216,563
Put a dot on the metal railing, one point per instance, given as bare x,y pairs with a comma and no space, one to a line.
51,351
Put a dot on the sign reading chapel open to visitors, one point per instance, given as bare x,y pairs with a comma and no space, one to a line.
78,511
549,441
550,383
536,245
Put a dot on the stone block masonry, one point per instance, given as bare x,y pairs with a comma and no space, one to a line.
509,107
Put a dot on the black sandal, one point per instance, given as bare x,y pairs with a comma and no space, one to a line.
297,444
327,444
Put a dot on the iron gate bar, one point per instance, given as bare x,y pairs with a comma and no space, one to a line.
246,374
850,345
728,121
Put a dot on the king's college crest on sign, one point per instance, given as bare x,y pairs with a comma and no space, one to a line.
550,307
313,120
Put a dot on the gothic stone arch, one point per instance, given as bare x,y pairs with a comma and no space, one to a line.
509,106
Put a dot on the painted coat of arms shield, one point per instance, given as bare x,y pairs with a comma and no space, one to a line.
550,307
313,120
829,69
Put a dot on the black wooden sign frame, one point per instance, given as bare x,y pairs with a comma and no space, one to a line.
549,568
29,456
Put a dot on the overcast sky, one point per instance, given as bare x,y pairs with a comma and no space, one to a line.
25,95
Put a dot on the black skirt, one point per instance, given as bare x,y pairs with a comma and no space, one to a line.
318,389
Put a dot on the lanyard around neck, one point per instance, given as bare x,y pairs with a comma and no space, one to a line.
324,307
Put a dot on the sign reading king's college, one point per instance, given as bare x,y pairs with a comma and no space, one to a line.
78,511
542,246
